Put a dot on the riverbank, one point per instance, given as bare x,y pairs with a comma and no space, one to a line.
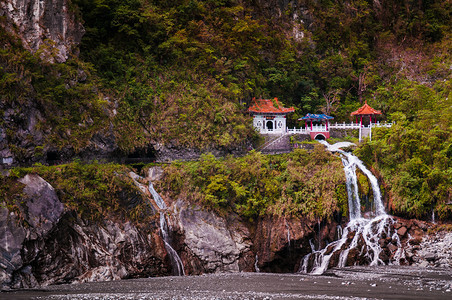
388,282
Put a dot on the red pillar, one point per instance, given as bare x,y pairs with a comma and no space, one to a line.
361,122
326,125
311,125
305,124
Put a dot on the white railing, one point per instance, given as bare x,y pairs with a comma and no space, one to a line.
357,126
315,128
344,126
323,128
297,130
318,128
270,131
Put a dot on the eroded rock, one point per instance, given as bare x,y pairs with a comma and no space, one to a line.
45,24
41,243
217,244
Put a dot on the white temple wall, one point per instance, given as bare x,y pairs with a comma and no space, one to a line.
270,123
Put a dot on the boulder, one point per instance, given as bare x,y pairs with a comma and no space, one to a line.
215,243
43,206
155,173
393,248
39,212
430,257
402,231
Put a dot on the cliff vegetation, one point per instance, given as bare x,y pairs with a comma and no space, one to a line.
298,183
180,74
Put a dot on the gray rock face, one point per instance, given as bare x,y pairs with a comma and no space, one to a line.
49,23
41,244
155,173
43,206
41,212
217,244
11,238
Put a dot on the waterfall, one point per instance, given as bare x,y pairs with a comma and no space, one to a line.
256,261
339,231
176,262
361,236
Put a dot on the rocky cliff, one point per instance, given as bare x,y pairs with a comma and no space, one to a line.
49,25
49,112
44,241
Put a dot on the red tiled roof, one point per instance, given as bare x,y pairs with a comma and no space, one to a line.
366,110
268,106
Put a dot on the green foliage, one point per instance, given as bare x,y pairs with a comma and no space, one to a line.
95,191
70,112
182,72
256,184
11,195
414,156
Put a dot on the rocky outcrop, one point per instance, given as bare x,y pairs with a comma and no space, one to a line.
27,141
81,251
280,243
43,243
434,250
29,132
41,212
49,25
212,244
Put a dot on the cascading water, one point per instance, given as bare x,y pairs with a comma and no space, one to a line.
288,232
256,267
176,262
361,236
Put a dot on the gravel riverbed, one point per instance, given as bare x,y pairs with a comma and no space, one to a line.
388,282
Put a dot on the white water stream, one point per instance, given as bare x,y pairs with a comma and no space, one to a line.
176,262
361,235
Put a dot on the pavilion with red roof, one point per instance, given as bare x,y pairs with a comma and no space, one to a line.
269,115
365,111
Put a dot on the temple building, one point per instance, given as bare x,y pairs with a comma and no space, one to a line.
269,116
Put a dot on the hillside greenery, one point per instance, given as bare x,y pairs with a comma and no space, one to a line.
95,191
70,111
181,73
414,156
311,184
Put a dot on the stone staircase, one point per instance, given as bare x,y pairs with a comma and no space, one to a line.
365,132
280,144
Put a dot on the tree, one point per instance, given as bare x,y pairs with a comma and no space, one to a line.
332,101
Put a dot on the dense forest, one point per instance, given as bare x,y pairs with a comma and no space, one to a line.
182,73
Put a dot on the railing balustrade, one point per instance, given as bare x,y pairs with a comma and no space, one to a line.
323,128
